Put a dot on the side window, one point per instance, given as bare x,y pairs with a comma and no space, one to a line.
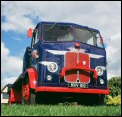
35,38
99,41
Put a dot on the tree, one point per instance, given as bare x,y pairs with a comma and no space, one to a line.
115,85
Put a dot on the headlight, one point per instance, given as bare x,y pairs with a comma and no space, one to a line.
102,81
99,70
52,67
49,77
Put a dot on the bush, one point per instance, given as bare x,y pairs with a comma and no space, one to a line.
115,94
113,101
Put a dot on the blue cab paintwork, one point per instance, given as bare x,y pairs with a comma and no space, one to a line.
42,46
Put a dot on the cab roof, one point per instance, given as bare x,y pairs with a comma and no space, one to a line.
68,23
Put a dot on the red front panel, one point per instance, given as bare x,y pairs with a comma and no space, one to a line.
73,59
84,76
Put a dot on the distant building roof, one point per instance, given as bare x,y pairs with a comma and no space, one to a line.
7,85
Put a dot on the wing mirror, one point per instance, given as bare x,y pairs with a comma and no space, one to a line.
30,33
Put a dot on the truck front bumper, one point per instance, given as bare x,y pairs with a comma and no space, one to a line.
72,90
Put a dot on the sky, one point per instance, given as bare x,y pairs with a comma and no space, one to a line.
18,16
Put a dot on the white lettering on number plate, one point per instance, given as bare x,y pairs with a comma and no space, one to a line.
83,85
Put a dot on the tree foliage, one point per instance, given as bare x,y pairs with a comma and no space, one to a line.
115,85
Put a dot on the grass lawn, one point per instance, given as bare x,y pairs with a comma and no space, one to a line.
59,110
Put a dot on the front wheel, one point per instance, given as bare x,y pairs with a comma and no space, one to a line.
28,96
101,99
91,99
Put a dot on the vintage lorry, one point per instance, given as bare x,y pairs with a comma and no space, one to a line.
64,60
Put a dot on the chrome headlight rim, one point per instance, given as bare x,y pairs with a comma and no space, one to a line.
52,67
99,70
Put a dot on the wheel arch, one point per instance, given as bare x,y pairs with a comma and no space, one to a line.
32,74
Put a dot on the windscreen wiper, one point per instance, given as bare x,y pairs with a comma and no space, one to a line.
51,27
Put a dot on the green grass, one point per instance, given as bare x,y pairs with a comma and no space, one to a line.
60,110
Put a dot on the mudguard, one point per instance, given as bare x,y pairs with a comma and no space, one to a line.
33,75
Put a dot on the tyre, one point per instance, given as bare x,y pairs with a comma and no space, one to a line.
88,99
28,95
101,99
94,99
98,99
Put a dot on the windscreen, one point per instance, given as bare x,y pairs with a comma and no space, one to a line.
57,33
90,37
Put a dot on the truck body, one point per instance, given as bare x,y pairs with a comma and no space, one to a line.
63,58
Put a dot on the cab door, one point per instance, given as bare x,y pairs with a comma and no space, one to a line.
35,49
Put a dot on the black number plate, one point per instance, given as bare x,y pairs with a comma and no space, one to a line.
83,85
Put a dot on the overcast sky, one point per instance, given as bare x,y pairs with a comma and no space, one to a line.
17,17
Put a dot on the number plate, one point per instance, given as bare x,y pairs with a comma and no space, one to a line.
83,85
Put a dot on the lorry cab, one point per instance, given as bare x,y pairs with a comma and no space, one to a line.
64,58
65,45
